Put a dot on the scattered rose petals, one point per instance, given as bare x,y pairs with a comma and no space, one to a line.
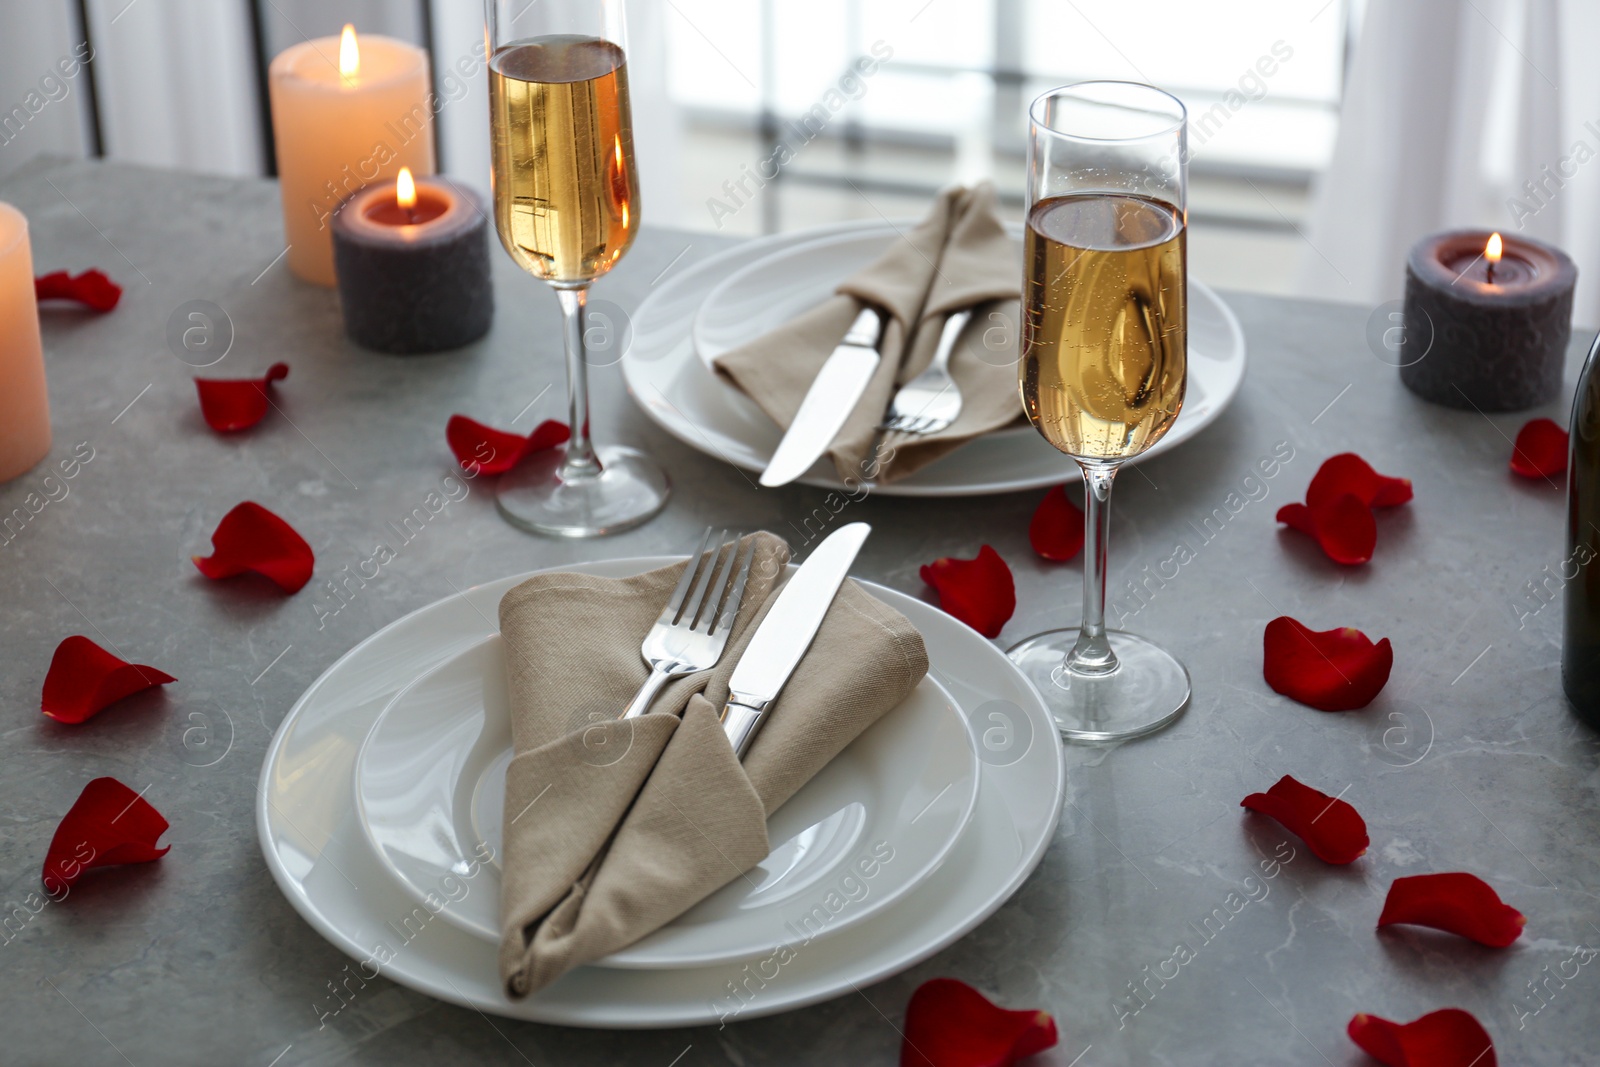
980,591
1056,531
950,1024
1541,449
1457,903
1343,526
1331,828
108,824
1338,507
1330,670
1349,473
1449,1037
84,678
92,289
251,538
230,404
490,451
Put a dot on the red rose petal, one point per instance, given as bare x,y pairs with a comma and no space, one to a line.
980,592
1541,449
1349,473
1331,828
1330,670
1457,903
251,538
230,404
485,450
92,289
1337,511
84,678
109,823
950,1024
1449,1037
1056,531
1342,525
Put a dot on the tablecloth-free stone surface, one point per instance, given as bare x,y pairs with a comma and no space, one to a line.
1468,761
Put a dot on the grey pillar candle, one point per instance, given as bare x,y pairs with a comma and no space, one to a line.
413,278
1481,334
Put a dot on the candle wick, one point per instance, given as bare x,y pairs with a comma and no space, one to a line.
1491,272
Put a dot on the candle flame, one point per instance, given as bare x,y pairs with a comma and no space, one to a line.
1492,250
616,155
349,53
405,189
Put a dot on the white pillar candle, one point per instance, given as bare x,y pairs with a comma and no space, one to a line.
346,112
24,401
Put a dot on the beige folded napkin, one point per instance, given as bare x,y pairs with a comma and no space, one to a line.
614,828
959,257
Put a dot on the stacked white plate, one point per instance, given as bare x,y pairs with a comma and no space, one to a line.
696,313
380,809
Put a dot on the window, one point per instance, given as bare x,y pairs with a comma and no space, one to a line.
1262,80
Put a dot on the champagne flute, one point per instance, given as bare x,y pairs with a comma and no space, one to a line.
566,204
1104,353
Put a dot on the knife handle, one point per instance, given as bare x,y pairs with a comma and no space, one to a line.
741,717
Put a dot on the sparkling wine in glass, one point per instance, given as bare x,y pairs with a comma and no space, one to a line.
1104,354
566,205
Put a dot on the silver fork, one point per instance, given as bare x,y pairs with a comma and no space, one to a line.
689,635
931,401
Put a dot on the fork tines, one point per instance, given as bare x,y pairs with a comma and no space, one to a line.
914,424
721,570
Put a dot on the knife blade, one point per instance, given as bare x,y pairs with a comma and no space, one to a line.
785,634
829,401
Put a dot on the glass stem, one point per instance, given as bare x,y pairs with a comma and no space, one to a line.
580,461
1092,653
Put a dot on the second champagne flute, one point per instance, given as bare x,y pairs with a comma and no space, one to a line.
1104,363
566,205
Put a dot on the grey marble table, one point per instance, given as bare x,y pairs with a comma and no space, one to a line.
1468,761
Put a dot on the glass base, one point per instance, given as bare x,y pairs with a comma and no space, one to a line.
629,489
1147,690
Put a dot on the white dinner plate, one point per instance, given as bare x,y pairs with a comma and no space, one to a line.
735,296
430,786
314,846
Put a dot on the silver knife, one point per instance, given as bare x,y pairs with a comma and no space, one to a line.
829,401
786,633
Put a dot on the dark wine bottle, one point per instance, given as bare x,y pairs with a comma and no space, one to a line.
1580,638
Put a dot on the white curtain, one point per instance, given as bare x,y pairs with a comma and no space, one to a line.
1461,113
176,84
42,110
176,81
